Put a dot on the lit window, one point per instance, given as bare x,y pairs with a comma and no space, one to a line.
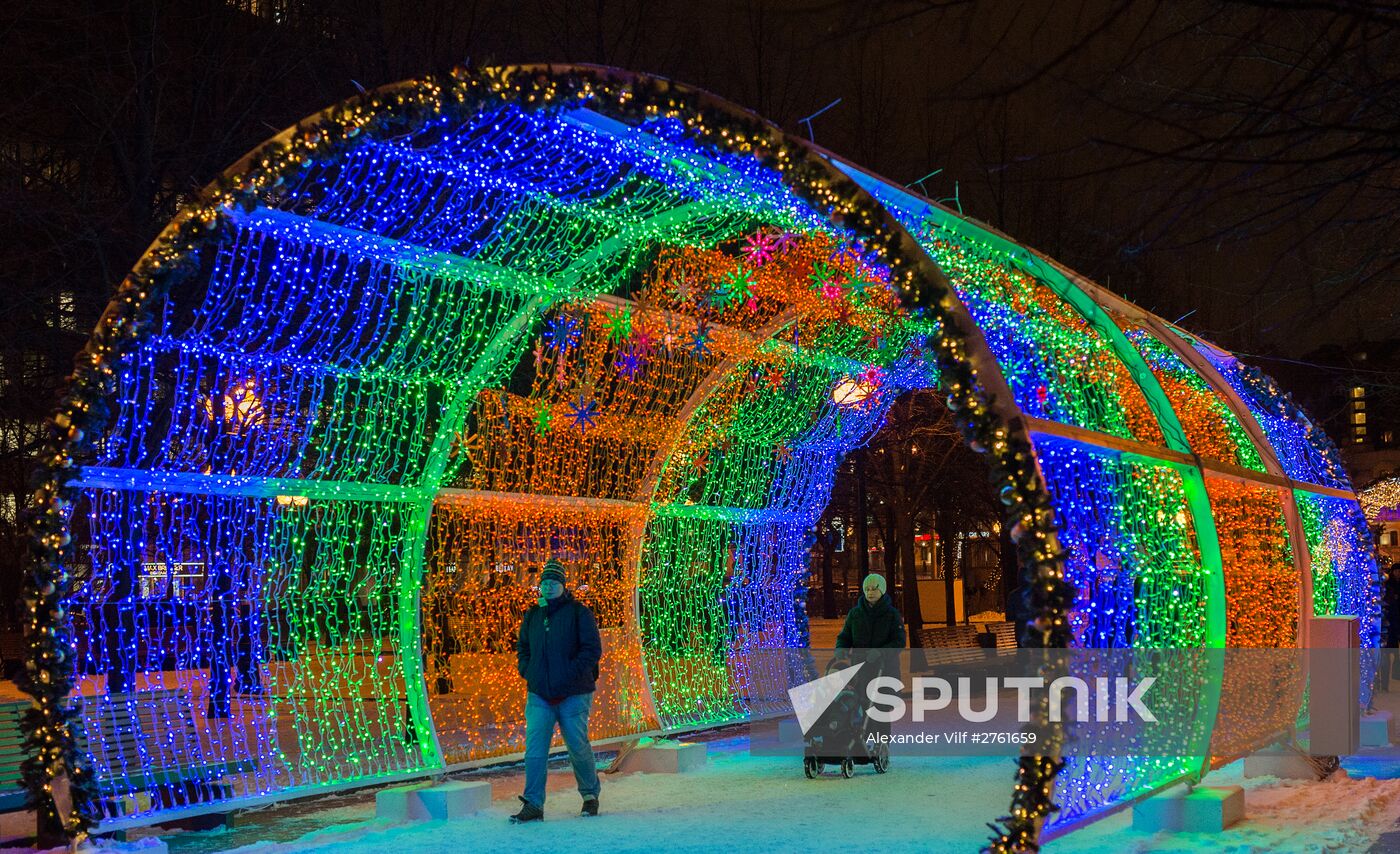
1358,391
68,311
1358,418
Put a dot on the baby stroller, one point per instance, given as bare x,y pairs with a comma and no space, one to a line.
839,738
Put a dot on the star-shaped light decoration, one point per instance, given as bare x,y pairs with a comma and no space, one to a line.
584,414
701,463
682,288
859,281
738,285
619,325
544,419
785,242
563,332
822,275
700,341
539,352
643,340
775,377
783,452
872,379
759,248
463,443
629,363
719,295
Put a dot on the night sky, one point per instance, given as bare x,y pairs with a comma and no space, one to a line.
1229,163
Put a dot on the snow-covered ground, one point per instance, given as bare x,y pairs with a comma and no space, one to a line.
738,803
1342,813
741,803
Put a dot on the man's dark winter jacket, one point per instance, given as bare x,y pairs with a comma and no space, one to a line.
877,626
559,649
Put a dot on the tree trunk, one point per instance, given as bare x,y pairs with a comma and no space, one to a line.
890,533
948,538
1010,573
913,611
862,520
828,581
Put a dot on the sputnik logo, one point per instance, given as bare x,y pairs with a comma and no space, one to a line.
810,699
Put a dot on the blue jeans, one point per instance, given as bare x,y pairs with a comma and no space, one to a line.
571,715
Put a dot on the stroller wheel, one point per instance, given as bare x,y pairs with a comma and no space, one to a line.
881,759
810,767
848,768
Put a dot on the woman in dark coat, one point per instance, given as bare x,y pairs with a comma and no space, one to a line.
874,623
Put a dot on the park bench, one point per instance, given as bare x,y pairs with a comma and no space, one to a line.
12,793
146,744
999,636
952,645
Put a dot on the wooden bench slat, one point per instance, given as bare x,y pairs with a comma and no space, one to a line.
952,645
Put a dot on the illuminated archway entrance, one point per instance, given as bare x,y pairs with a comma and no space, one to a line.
404,352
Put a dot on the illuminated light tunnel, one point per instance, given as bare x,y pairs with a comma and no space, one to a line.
403,353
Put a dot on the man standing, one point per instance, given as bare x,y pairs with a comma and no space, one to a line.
558,658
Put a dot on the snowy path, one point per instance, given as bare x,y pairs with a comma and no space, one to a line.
740,803
737,804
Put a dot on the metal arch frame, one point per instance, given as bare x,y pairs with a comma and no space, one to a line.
988,371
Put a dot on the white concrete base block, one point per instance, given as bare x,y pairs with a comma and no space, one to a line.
665,757
1375,730
1207,809
1285,766
400,803
456,799
426,802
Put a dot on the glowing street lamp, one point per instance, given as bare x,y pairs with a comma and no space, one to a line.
850,392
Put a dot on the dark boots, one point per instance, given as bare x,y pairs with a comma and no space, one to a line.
528,812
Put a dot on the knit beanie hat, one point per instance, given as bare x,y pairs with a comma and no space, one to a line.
553,571
878,579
